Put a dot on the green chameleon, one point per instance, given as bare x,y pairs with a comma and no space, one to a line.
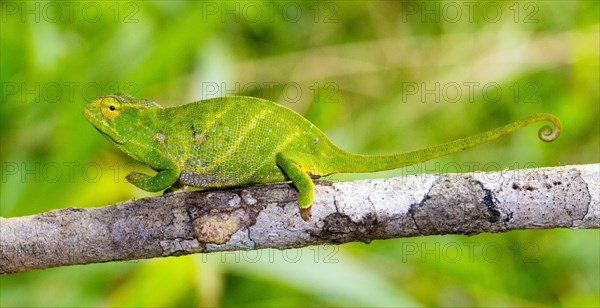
237,141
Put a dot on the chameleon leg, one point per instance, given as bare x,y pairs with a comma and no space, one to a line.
162,180
167,175
301,180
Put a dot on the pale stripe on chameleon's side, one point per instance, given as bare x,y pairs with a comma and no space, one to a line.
236,145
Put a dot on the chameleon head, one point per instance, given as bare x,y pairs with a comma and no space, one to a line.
114,115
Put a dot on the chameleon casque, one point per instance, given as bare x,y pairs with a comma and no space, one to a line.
238,141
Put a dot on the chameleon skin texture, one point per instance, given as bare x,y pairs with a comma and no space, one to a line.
237,140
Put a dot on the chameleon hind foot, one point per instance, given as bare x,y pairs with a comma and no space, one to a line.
301,180
306,213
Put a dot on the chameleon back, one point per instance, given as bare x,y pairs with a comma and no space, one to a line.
234,141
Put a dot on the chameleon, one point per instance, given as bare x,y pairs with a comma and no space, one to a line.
239,141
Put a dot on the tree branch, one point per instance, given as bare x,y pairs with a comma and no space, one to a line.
267,216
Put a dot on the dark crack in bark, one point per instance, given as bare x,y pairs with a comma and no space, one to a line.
339,228
490,204
456,204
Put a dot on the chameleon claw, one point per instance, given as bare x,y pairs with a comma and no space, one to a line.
133,177
306,212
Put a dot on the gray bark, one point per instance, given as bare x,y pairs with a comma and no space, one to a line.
267,216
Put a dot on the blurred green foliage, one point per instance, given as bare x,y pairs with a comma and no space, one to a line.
376,76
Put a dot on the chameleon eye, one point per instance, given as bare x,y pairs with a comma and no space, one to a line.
110,107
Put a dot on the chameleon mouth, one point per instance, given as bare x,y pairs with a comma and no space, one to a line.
107,136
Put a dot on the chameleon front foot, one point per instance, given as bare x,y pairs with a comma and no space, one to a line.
162,180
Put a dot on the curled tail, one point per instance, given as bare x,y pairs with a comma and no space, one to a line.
349,162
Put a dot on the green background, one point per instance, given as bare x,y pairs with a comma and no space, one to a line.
377,77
